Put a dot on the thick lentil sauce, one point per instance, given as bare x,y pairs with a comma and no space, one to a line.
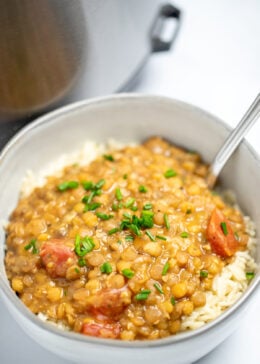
124,247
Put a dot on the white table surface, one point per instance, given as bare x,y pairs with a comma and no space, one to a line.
215,64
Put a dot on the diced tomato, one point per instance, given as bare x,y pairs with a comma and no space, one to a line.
222,241
102,329
109,303
57,257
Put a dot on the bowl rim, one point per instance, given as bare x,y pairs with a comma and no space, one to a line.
48,326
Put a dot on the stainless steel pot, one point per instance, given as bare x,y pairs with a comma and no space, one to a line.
53,51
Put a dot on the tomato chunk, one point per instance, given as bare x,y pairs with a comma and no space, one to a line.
102,329
220,235
57,257
108,303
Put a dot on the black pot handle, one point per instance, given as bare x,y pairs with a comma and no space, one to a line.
167,13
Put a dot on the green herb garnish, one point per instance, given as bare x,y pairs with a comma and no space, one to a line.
109,157
77,270
173,302
83,245
161,237
250,275
147,206
170,173
91,206
119,195
130,202
67,185
188,211
106,268
224,228
82,262
32,246
146,220
129,238
87,185
165,268
125,176
143,295
113,231
134,208
158,287
150,235
166,221
184,235
236,236
104,216
204,273
99,184
142,189
128,273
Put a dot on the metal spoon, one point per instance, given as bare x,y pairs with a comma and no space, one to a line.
233,140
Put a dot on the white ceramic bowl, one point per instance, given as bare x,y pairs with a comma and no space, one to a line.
125,118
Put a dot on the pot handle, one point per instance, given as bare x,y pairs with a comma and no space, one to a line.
165,28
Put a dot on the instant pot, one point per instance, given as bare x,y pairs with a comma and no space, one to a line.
58,51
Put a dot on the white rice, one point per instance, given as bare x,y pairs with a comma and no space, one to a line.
227,286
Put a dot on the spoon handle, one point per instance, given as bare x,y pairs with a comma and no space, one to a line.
233,141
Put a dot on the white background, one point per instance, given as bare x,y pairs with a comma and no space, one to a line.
214,64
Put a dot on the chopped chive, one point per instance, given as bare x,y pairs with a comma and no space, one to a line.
224,228
142,189
113,231
134,208
91,206
150,235
77,270
146,220
103,216
129,238
87,185
109,157
158,287
184,234
170,173
250,275
135,229
115,207
128,273
106,268
82,262
83,245
127,215
125,176
147,206
87,199
165,268
100,184
161,237
98,192
32,245
166,221
173,302
143,295
188,211
204,273
130,202
236,236
67,185
118,194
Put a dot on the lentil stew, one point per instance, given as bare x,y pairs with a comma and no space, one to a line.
125,247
